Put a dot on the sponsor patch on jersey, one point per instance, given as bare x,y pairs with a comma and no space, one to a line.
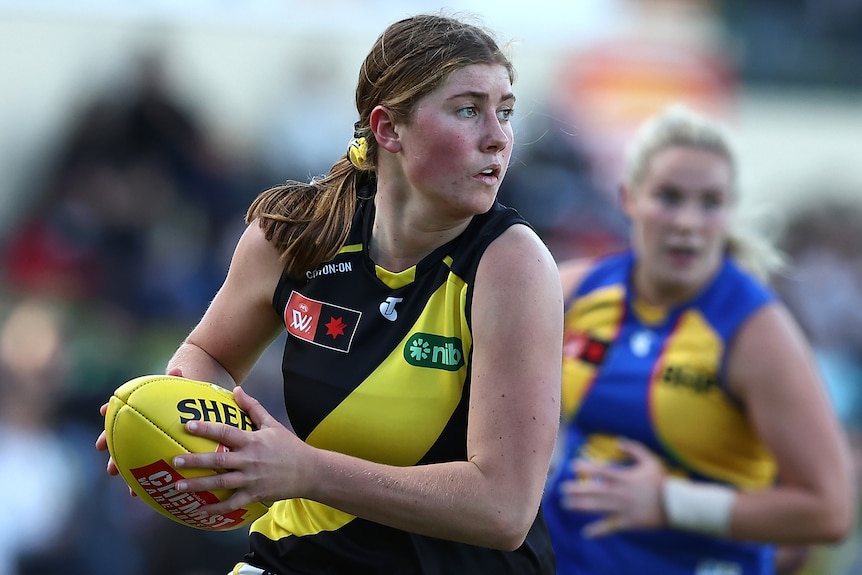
695,380
330,268
581,346
324,324
434,351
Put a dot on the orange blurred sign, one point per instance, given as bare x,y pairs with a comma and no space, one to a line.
607,90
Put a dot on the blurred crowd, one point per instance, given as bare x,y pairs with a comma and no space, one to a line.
127,235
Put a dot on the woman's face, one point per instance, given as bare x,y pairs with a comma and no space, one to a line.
457,145
679,215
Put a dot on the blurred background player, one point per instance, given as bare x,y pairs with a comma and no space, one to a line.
697,429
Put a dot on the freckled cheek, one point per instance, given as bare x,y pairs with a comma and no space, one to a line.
441,157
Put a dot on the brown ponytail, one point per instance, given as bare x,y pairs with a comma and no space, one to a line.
309,222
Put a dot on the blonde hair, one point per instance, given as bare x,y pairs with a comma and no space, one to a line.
679,125
309,222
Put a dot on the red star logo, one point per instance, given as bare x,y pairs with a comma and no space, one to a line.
335,327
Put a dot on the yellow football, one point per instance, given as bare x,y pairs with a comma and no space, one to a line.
145,428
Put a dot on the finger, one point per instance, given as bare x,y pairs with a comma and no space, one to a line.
636,450
596,471
607,525
227,481
112,467
237,500
577,487
258,413
215,459
104,409
228,435
175,371
587,503
102,441
587,496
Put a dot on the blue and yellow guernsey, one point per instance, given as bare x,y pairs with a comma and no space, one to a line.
656,375
377,365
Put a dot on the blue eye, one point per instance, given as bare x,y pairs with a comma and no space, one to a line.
669,197
505,114
467,112
712,202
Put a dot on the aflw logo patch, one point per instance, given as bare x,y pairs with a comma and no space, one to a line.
321,323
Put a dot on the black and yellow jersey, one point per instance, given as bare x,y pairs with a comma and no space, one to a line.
377,365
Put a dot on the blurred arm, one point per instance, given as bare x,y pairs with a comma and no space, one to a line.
772,370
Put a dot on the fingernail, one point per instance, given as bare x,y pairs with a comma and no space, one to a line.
182,486
179,461
192,425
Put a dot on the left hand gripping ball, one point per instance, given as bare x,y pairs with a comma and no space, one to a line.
145,428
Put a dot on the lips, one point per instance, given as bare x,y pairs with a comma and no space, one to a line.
682,251
490,171
682,256
490,174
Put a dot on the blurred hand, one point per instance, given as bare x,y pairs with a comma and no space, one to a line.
790,559
629,495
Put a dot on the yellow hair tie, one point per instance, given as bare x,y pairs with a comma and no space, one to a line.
357,152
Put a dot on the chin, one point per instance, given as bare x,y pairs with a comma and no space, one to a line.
479,204
691,281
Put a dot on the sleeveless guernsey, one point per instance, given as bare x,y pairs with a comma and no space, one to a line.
377,365
656,375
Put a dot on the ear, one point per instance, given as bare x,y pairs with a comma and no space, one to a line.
383,127
625,194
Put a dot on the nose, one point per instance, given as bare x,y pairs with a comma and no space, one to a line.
689,216
498,135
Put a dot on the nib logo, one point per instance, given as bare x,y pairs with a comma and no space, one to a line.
434,351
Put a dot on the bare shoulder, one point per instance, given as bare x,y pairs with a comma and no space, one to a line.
255,258
770,347
254,272
519,255
517,292
253,242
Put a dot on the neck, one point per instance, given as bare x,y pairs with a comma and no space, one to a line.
402,235
655,293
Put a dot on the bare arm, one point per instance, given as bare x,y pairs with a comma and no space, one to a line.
237,327
772,369
240,322
492,498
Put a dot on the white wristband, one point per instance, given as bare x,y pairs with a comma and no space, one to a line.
699,507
